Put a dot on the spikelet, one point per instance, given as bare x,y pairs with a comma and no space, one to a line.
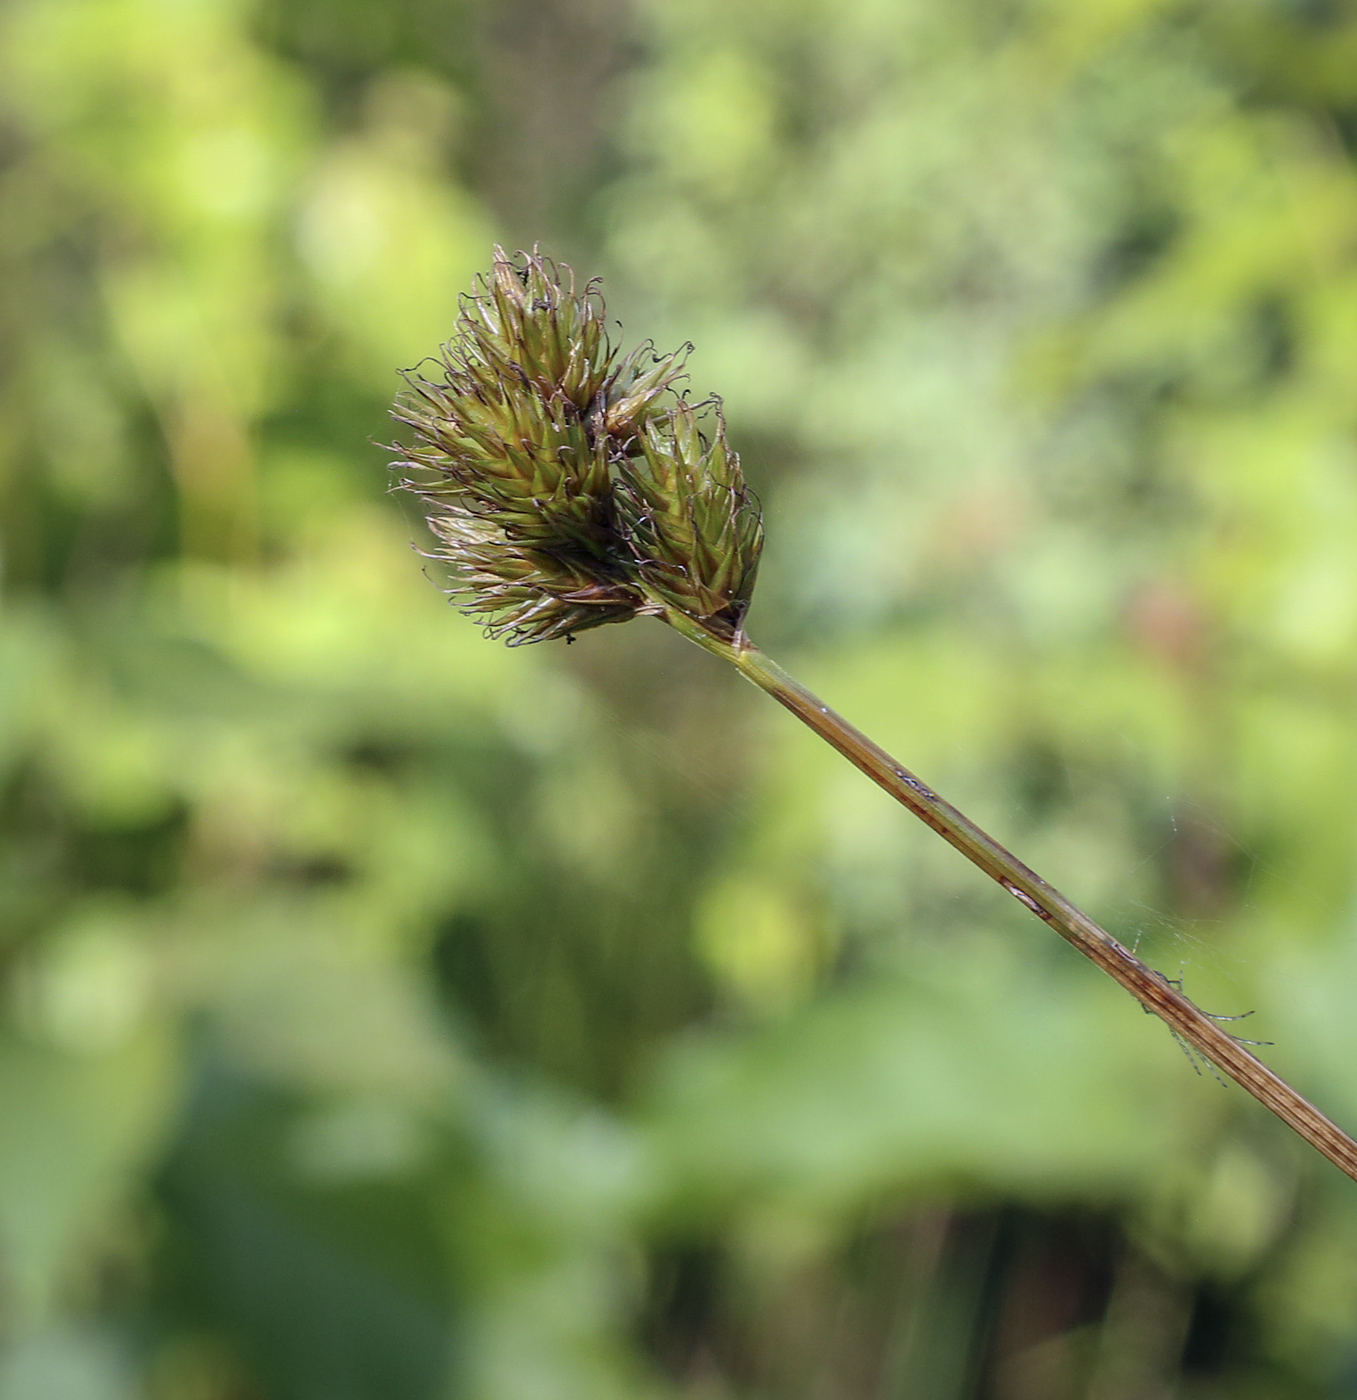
568,486
693,527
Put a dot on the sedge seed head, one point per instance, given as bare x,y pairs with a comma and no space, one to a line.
567,485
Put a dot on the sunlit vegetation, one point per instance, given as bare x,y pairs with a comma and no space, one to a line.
386,1014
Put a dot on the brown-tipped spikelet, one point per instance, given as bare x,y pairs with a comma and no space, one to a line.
568,486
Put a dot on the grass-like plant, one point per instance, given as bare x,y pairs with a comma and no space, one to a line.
568,486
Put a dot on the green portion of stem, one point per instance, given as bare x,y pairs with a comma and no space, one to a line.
1150,988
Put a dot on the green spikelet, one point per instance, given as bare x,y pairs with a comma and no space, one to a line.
568,486
693,527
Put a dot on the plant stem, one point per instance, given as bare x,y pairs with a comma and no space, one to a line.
1150,988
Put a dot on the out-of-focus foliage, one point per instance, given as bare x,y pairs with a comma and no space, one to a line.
387,1014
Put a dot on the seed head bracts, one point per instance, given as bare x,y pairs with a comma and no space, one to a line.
568,485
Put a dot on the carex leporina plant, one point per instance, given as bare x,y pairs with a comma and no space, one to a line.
568,485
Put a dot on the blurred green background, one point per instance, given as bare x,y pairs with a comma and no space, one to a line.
388,1015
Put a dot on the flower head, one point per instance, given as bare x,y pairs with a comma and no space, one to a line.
567,485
